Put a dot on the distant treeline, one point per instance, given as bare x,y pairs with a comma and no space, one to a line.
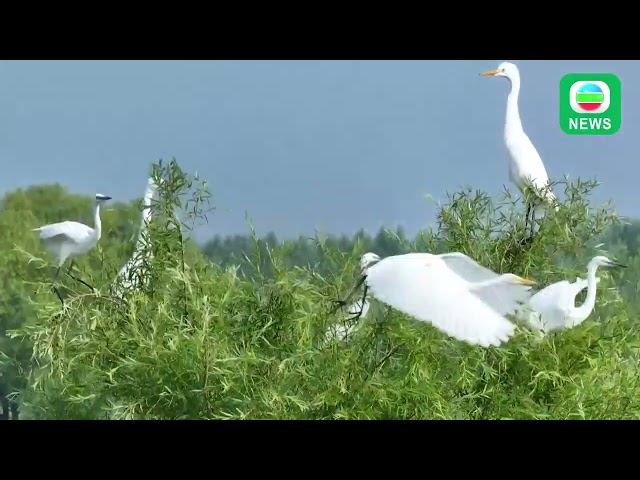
304,251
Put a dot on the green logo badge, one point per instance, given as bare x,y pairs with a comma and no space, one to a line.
590,104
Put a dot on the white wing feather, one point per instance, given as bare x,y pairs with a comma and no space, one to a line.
73,231
547,307
554,294
437,296
467,268
505,298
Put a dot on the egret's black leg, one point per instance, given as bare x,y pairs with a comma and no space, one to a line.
533,225
342,303
529,232
364,298
526,241
528,225
77,279
55,289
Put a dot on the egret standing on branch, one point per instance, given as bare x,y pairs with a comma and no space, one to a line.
526,169
451,291
553,308
72,239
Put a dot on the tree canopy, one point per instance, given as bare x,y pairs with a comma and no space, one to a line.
235,328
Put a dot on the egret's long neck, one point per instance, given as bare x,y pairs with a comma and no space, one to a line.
580,314
146,211
97,224
146,215
513,114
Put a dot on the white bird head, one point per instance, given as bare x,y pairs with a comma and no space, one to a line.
368,259
505,69
101,198
602,261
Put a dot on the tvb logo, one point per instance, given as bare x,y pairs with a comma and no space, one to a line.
590,104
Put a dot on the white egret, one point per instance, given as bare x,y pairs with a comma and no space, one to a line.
526,169
72,239
357,311
361,307
451,291
553,308
133,273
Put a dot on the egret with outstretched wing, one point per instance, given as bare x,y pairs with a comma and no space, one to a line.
423,286
71,239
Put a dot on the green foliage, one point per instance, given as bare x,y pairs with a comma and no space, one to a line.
244,336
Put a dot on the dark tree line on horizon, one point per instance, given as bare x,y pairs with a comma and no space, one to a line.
303,251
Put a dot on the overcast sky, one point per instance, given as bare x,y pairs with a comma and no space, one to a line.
301,145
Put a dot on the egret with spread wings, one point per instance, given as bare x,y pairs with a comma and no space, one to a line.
451,291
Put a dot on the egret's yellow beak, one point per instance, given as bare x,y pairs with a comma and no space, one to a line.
490,73
526,281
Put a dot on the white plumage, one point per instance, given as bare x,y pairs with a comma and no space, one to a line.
359,307
71,239
341,331
553,308
133,274
505,293
451,291
526,169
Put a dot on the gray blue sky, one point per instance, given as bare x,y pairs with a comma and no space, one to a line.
301,145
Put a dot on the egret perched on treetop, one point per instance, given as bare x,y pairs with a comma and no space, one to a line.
451,291
72,239
130,278
526,169
553,308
